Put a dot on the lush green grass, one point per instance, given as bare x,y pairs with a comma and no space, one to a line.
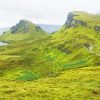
27,76
76,84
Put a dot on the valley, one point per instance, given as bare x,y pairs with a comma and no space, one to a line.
63,65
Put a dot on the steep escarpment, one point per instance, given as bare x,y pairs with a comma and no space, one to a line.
78,34
85,19
71,22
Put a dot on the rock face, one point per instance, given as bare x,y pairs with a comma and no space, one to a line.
71,22
69,19
25,26
76,22
75,19
97,28
22,24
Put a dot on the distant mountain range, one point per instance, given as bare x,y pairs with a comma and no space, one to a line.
49,28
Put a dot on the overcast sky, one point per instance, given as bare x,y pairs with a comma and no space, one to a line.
43,11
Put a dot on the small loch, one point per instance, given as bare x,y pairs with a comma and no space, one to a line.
2,43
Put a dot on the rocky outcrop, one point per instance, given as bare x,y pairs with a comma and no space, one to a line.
69,19
97,28
72,22
23,24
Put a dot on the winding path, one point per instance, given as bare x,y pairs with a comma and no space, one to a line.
91,50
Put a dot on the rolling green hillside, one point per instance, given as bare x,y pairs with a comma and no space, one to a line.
64,61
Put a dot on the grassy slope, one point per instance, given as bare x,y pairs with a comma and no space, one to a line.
76,41
68,48
91,19
47,58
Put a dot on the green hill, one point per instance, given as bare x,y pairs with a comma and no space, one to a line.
79,37
23,30
65,61
75,45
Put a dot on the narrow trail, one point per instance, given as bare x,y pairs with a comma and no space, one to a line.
91,50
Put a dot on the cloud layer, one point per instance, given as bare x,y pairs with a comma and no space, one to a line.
43,11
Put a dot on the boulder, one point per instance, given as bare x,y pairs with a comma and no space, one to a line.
97,28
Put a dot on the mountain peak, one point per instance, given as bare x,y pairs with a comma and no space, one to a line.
73,20
82,18
25,26
25,21
24,29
